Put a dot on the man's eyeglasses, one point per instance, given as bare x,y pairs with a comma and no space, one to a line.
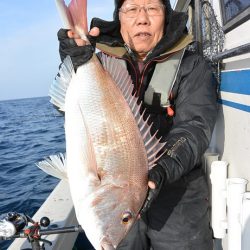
132,10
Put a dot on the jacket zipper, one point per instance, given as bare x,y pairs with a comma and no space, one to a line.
146,66
139,80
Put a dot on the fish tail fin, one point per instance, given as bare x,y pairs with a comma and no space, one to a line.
74,16
118,71
59,87
55,165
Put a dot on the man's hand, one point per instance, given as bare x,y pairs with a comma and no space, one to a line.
156,177
71,44
93,33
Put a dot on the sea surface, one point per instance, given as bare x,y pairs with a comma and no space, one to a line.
30,129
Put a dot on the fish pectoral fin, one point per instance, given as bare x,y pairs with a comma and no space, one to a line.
54,165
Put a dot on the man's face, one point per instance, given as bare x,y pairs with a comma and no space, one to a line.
142,27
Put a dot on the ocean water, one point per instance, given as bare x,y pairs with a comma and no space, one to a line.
30,129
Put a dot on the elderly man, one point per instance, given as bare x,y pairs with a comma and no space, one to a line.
177,88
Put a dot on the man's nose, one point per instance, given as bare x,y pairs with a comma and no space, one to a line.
142,17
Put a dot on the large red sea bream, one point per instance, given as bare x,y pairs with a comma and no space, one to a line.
109,149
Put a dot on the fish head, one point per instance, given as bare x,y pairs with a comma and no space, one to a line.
120,224
113,215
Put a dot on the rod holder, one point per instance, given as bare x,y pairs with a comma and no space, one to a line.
218,180
246,221
236,187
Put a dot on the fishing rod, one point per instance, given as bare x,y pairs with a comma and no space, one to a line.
15,225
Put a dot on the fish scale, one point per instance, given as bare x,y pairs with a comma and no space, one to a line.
108,117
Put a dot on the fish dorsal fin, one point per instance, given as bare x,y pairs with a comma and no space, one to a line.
61,83
120,75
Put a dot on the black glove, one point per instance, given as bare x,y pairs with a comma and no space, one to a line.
78,54
157,175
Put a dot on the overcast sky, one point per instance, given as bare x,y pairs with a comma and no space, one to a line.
29,56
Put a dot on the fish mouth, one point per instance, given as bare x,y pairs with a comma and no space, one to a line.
107,246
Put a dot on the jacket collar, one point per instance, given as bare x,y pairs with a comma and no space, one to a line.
120,51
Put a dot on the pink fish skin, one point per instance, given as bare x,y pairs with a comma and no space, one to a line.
106,158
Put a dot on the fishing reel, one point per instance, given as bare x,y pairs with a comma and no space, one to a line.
12,223
15,225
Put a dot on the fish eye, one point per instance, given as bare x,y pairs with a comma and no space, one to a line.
126,217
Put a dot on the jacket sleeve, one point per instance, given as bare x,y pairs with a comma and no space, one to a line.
194,120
